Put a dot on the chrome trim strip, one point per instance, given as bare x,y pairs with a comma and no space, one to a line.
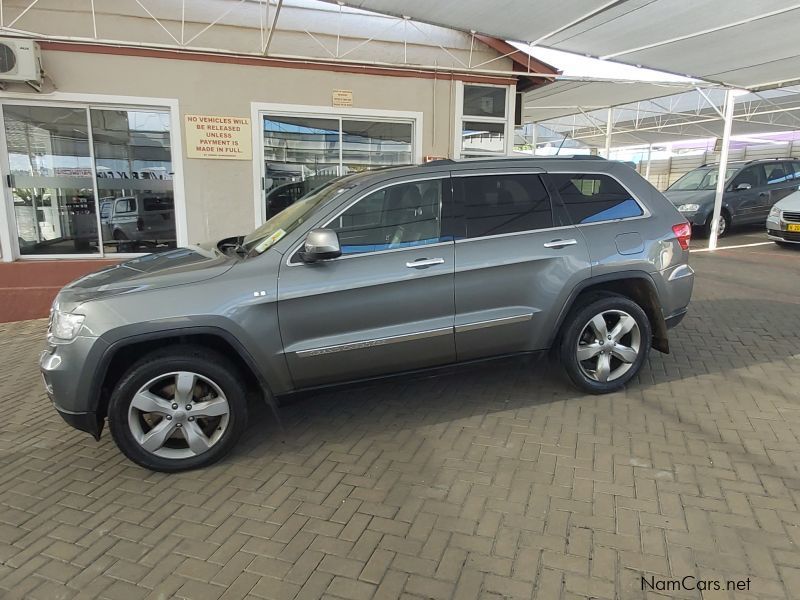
513,233
680,272
393,339
494,322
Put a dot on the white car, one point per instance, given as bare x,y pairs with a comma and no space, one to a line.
783,222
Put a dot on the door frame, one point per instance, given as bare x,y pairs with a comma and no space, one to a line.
259,109
8,224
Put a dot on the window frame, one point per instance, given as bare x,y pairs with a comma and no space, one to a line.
258,110
563,205
8,225
446,199
507,121
460,221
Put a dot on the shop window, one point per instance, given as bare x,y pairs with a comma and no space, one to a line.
64,203
303,153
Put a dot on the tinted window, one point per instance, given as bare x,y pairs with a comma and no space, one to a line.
753,175
126,205
777,172
403,215
159,203
498,204
592,198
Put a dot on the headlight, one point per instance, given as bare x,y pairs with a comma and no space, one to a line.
775,212
689,207
65,326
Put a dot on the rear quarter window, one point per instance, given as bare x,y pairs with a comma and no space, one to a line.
591,198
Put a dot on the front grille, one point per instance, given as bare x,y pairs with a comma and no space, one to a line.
789,236
794,217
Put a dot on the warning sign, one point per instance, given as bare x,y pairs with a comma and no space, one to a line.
226,138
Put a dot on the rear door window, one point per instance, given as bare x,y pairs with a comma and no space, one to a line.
777,172
502,204
591,198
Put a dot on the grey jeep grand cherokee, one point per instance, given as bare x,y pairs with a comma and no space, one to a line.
372,274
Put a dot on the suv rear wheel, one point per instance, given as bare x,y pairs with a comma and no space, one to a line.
604,343
179,408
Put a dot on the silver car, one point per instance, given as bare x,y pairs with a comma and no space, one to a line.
374,274
783,223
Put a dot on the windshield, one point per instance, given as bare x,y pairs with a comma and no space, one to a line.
293,216
704,178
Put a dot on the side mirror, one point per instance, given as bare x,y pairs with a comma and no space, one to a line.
320,244
742,186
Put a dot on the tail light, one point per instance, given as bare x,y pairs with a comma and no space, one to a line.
683,231
140,224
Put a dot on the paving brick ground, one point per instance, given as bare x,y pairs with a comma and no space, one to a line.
500,481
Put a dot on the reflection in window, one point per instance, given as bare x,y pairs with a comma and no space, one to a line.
400,216
134,179
484,101
303,153
501,204
483,137
51,175
593,198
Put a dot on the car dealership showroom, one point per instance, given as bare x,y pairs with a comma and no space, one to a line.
407,299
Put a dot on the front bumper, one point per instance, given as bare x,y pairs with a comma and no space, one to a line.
67,372
777,231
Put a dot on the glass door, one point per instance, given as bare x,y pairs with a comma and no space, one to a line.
52,179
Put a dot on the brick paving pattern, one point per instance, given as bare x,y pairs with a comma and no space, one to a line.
496,482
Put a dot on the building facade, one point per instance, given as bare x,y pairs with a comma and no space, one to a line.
153,130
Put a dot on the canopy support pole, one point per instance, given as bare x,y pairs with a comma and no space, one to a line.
723,167
609,128
647,169
533,137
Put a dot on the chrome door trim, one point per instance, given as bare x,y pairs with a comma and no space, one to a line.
392,339
494,322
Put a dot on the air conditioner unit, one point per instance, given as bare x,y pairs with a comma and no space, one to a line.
20,60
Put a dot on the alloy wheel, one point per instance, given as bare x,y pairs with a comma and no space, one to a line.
178,415
608,345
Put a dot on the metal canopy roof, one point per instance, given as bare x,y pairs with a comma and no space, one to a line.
749,44
687,115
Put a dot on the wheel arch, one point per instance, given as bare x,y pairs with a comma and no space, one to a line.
635,285
120,354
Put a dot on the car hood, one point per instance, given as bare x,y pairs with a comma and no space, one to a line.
161,270
791,202
690,196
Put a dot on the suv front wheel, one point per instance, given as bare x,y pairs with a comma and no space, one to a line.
604,343
179,408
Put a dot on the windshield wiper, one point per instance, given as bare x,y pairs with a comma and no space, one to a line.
233,243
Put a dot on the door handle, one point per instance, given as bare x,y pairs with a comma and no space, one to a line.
763,195
560,243
424,262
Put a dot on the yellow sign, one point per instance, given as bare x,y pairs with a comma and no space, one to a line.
343,97
226,138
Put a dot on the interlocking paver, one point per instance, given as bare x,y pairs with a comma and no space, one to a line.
496,482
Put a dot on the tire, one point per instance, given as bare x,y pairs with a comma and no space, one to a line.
724,223
624,359
154,430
